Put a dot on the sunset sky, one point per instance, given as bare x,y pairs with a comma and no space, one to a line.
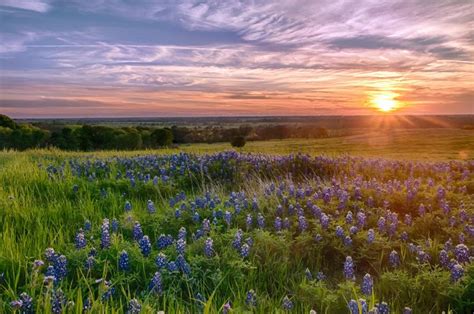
97,58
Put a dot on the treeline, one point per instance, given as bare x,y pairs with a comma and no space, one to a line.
98,137
85,137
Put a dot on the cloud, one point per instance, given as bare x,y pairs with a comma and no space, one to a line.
40,6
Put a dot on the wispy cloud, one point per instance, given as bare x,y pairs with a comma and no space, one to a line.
30,5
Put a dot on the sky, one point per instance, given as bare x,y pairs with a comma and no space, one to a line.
144,58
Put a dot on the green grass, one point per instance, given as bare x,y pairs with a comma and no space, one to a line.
36,213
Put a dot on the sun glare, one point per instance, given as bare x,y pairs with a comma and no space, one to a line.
385,102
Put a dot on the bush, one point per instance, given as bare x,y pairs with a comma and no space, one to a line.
238,141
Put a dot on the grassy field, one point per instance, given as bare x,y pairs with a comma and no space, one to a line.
43,207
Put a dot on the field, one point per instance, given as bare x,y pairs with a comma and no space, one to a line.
380,220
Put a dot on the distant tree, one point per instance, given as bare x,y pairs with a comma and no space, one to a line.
161,137
7,122
238,141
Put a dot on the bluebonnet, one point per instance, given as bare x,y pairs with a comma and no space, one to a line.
134,307
109,291
302,223
349,268
182,233
58,301
381,224
164,241
324,221
105,235
287,303
50,255
353,307
286,223
248,221
308,274
421,209
145,246
87,225
237,242
156,284
461,252
251,299
124,261
245,250
208,247
206,225
161,261
226,308
349,218
151,207
227,217
196,217
353,230
60,267
115,225
367,284
183,265
24,304
137,231
339,232
89,263
394,259
277,224
128,206
180,246
172,266
347,241
383,308
361,219
457,271
407,310
80,240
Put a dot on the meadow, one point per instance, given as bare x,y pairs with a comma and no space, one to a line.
380,222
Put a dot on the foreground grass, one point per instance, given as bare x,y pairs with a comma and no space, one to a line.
37,212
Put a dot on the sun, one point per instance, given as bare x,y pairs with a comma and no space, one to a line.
384,102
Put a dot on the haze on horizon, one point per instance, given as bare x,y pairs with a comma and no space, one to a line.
123,58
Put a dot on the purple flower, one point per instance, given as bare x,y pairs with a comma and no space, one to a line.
124,261
180,246
89,263
251,299
155,284
260,221
302,223
208,247
394,259
128,206
245,250
137,231
134,307
349,272
367,284
58,301
308,274
145,245
226,308
80,240
237,242
161,260
287,304
151,207
277,224
353,306
339,232
457,271
182,233
462,253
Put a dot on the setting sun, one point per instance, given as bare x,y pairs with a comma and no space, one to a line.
385,103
